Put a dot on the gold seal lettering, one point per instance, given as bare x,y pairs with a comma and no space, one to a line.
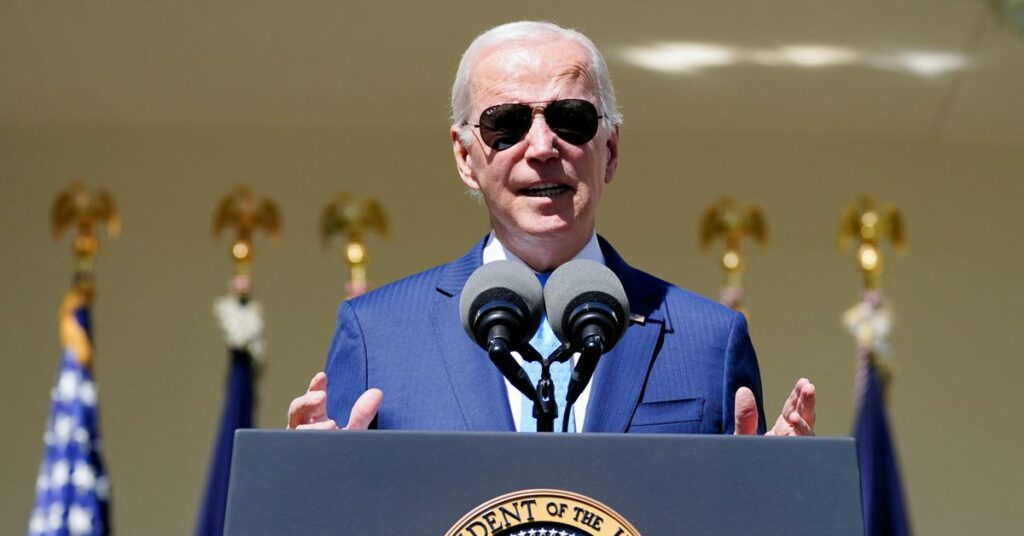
504,515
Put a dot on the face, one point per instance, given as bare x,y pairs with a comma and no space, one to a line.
541,187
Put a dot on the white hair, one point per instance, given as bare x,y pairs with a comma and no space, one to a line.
527,32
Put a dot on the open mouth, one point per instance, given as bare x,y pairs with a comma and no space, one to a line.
545,190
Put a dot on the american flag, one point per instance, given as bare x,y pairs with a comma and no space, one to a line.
72,491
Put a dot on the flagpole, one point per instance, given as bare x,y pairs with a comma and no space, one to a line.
241,321
72,489
870,322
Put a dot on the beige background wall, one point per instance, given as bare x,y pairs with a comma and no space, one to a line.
161,360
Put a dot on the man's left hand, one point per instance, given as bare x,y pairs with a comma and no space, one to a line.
797,418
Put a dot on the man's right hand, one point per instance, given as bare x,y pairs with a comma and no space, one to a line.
309,411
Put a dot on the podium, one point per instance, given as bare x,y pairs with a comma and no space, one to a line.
498,484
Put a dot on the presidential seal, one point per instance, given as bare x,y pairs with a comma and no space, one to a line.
542,512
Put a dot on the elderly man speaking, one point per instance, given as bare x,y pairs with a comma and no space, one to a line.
535,133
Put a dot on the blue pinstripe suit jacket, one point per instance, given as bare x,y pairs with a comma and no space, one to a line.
674,372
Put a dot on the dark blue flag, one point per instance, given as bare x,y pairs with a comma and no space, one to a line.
882,495
72,490
236,413
241,320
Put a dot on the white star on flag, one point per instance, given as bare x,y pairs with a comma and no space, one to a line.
102,488
42,482
37,525
59,474
67,385
81,436
79,520
87,393
55,517
63,425
83,476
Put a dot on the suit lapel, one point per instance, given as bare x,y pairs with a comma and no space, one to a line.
478,386
621,374
618,381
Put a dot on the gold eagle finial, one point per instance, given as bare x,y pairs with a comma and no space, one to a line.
241,210
730,223
869,226
353,220
85,211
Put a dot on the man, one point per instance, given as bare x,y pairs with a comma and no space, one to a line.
535,133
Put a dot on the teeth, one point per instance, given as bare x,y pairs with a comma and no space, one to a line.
545,191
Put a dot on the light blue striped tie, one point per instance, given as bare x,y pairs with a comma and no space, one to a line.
545,342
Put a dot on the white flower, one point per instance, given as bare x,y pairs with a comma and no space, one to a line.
870,323
79,520
242,324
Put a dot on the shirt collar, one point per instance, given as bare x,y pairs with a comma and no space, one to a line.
495,251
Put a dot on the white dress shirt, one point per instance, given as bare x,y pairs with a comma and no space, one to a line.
495,251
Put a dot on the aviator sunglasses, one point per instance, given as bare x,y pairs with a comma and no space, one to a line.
504,125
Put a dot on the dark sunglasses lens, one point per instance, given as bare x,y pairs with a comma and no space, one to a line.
502,126
573,120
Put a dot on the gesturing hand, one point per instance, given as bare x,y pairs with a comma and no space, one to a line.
309,411
797,417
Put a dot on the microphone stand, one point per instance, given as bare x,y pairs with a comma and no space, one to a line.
590,353
545,407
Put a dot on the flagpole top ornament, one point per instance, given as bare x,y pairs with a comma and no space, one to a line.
84,210
730,223
353,220
868,226
241,210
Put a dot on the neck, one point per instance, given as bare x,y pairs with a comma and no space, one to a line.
544,253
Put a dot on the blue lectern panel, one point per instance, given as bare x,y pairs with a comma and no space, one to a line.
386,482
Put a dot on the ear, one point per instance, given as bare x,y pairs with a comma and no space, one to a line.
463,160
613,155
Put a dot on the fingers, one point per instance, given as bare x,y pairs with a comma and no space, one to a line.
322,425
799,425
798,413
308,409
311,407
745,411
364,410
318,383
790,404
806,403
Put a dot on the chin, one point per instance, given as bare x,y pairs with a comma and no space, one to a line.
548,229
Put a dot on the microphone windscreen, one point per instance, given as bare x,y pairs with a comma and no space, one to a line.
580,281
507,281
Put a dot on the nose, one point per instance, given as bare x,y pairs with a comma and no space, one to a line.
540,139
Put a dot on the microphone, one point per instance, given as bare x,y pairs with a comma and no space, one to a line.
500,309
587,308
